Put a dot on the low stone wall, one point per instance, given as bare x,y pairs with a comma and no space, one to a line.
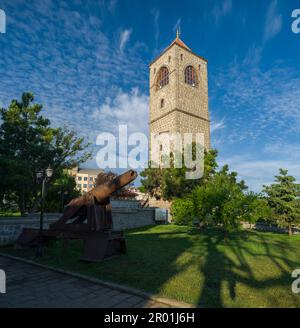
275,228
11,227
124,203
123,218
261,226
132,218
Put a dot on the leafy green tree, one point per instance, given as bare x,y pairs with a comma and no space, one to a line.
283,198
256,208
182,210
221,201
28,143
61,192
170,183
152,182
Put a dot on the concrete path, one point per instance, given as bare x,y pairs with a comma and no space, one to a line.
34,287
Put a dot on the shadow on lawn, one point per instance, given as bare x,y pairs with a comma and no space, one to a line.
162,262
221,270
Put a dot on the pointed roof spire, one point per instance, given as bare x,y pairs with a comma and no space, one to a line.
178,32
178,41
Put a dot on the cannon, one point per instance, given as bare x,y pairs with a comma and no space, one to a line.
88,218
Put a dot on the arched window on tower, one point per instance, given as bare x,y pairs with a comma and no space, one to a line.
190,76
163,77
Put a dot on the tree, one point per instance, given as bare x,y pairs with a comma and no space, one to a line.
283,198
221,201
171,183
61,192
182,210
28,143
257,208
152,182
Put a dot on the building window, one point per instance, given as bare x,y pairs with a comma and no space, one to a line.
154,70
169,59
90,186
162,103
85,186
190,76
91,178
85,178
79,186
79,178
181,57
163,77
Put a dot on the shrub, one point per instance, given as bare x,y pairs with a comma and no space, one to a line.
182,211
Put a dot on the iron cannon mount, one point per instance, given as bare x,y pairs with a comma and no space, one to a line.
87,218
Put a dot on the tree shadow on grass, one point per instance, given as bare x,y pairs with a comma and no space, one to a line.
189,264
224,270
214,274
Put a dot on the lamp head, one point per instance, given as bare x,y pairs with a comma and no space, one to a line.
49,172
39,175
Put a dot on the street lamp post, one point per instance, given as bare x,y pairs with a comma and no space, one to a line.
43,176
62,199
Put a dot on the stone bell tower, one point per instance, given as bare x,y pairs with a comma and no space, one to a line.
179,92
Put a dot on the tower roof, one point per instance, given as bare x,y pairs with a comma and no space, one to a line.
181,44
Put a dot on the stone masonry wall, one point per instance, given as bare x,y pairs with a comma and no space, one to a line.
123,218
133,218
161,204
11,227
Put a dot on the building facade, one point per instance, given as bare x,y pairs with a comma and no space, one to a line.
85,178
179,92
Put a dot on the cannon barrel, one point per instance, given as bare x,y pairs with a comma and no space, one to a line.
103,191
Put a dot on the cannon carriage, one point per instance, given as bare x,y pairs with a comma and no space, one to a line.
88,218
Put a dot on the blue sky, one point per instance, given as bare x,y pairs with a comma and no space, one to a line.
87,63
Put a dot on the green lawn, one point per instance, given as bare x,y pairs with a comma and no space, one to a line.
252,270
9,214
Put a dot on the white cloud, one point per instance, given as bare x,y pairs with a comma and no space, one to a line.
125,108
112,4
155,14
290,151
78,69
221,9
262,114
124,38
2,21
258,102
273,21
217,125
259,172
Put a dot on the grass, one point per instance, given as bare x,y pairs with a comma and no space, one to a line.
253,269
9,214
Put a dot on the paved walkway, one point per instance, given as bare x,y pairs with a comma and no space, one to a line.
34,287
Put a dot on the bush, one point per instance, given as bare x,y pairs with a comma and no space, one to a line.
182,211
